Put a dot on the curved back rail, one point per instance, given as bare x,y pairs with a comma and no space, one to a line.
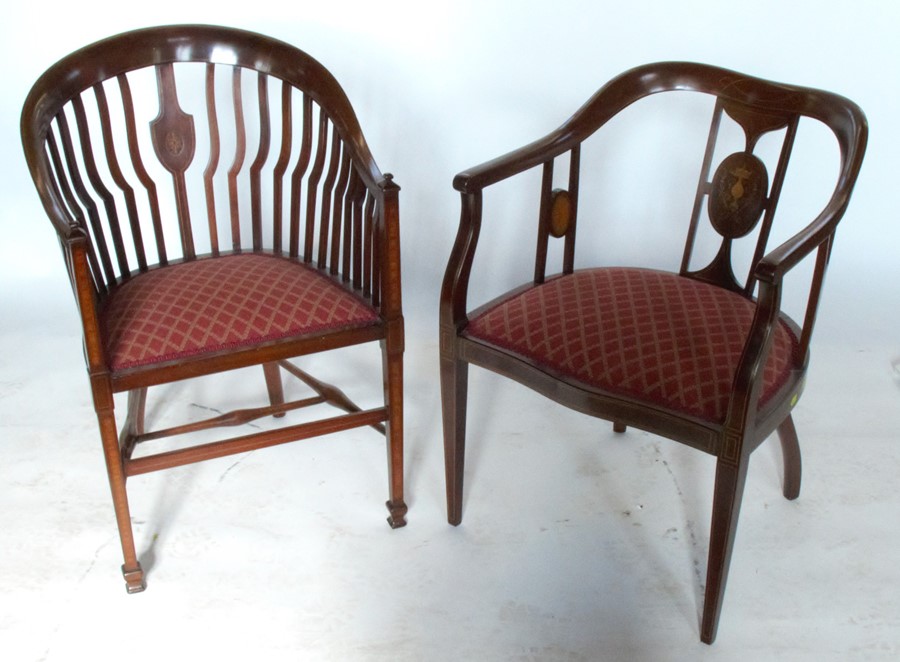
733,194
259,127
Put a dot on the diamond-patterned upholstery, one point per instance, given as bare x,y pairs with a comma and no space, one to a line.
233,301
646,334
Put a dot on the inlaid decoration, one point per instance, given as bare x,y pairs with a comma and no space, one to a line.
560,212
173,129
738,194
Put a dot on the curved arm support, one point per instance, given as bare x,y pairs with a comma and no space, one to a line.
454,291
748,381
851,130
77,247
609,100
777,262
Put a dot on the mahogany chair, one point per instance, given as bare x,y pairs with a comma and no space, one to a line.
696,356
217,208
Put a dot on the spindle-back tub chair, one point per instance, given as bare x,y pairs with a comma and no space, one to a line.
217,207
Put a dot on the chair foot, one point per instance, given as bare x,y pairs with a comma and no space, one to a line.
134,579
398,514
619,427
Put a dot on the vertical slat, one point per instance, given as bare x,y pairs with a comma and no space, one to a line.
281,167
109,203
312,185
357,268
298,174
377,235
574,178
815,291
784,157
63,185
90,207
354,189
174,141
240,149
702,186
212,122
120,180
543,236
325,220
265,139
368,232
62,181
337,216
139,169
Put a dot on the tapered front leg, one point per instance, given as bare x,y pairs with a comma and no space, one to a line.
393,400
454,387
729,489
131,569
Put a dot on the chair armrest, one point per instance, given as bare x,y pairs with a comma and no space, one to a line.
777,262
608,101
770,272
512,163
852,138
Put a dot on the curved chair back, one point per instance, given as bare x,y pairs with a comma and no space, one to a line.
173,143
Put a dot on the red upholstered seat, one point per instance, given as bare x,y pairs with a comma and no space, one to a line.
649,335
229,302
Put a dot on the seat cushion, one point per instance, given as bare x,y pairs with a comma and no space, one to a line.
653,336
228,302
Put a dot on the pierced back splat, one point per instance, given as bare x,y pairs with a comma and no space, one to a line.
173,141
739,194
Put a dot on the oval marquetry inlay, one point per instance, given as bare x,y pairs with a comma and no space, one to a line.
738,194
560,212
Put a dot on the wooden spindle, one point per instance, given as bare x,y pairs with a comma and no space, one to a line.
147,182
115,171
281,168
265,139
312,186
298,173
212,164
240,149
96,229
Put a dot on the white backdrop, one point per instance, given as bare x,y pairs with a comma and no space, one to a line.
441,86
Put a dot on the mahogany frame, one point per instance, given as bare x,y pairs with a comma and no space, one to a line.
759,106
342,220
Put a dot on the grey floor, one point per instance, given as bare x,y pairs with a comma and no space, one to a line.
576,544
